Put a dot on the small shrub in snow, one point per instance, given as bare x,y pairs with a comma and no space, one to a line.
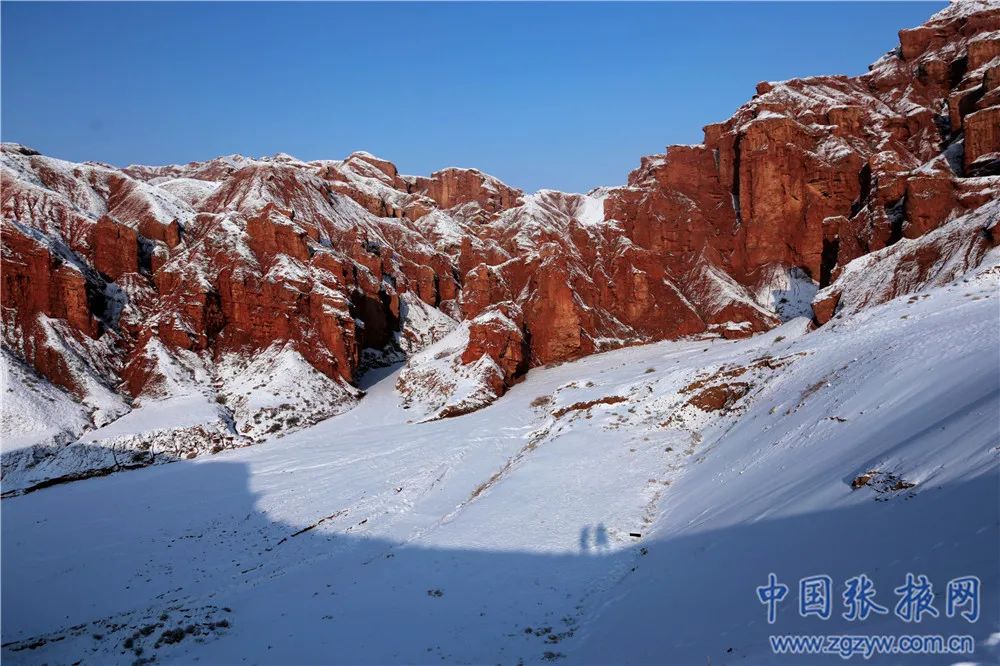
541,401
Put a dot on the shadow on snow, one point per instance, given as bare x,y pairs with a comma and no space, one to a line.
185,545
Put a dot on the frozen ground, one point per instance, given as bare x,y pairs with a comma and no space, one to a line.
502,536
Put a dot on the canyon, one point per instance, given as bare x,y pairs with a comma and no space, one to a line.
241,298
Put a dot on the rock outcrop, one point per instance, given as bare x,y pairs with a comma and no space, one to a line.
148,282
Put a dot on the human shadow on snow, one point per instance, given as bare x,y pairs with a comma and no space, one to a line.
89,567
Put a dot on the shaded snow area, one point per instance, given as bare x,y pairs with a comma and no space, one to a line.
503,536
788,292
156,431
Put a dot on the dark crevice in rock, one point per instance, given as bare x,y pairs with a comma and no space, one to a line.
897,217
865,188
831,248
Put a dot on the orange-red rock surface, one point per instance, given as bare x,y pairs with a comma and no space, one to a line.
228,258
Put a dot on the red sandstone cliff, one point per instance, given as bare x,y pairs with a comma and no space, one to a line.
141,279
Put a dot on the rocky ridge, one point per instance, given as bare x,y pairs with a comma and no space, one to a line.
261,289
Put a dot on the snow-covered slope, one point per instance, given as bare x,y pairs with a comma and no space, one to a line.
34,409
503,536
263,288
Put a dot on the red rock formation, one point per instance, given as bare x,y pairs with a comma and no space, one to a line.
825,307
329,258
982,136
116,248
499,338
37,284
453,187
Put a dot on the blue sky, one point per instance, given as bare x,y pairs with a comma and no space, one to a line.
567,96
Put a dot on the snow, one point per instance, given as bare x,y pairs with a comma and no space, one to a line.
435,382
277,389
986,37
167,414
788,292
50,436
54,246
719,290
190,190
199,170
84,188
963,8
371,538
916,396
443,230
948,252
768,114
548,214
834,148
287,272
421,324
81,356
590,211
33,410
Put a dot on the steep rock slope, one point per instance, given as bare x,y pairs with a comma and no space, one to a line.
262,288
506,535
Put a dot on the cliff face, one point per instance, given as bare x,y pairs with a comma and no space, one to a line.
148,282
821,171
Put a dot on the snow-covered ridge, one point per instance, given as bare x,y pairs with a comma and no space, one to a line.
233,281
963,8
211,204
438,420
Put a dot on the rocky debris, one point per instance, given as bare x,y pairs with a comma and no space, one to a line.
588,404
862,188
143,634
885,485
719,398
726,389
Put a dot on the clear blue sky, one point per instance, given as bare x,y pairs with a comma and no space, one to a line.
567,96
